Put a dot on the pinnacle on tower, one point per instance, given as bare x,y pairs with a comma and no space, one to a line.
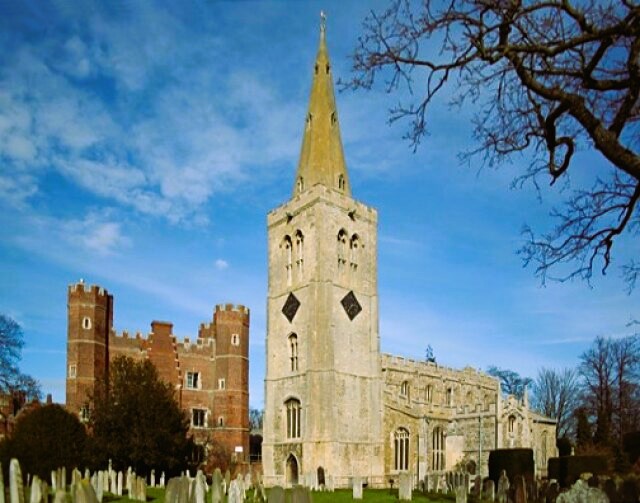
321,156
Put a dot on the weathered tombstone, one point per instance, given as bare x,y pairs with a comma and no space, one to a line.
119,478
87,474
235,492
227,479
35,494
63,478
60,496
580,491
330,485
199,493
520,490
16,489
54,480
172,490
262,495
142,489
477,487
488,490
300,494
357,488
276,495
99,486
82,492
247,481
162,480
405,487
216,487
461,494
152,479
503,488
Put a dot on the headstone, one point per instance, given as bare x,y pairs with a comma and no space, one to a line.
63,478
248,483
152,479
82,492
199,493
405,487
488,490
552,492
300,494
119,484
100,486
235,492
477,487
216,487
162,480
503,488
357,488
227,480
330,485
580,491
35,494
54,480
276,495
142,489
520,490
87,474
172,491
60,496
262,495
16,489
461,494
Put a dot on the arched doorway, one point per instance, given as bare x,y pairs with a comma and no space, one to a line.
292,470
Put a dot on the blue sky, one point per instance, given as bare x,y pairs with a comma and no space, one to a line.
142,144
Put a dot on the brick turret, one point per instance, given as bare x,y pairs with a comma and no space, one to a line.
90,318
231,395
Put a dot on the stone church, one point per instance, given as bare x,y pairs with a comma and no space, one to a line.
335,406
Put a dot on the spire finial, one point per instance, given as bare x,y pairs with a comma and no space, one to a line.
323,22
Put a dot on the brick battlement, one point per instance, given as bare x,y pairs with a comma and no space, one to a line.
236,308
82,288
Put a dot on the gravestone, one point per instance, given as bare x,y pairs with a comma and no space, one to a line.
357,488
120,477
1,485
580,491
60,496
35,495
276,495
330,485
171,493
216,487
488,490
200,491
503,488
477,487
113,482
54,480
405,487
461,494
227,480
300,494
99,487
87,474
152,479
162,480
520,491
16,489
63,478
235,492
142,489
82,492
247,481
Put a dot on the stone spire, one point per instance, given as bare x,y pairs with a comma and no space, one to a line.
321,157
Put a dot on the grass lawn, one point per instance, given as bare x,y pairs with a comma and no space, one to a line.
370,495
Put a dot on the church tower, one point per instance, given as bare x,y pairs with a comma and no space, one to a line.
323,403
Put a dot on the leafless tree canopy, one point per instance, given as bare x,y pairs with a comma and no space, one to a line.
556,395
549,77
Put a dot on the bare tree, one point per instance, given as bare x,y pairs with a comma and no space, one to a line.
511,383
611,372
555,394
549,77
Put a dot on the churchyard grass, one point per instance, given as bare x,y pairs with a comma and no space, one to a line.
370,496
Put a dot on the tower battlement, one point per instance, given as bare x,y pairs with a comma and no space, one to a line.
82,289
236,308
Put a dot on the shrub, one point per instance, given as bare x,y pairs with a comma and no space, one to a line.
566,470
514,461
564,446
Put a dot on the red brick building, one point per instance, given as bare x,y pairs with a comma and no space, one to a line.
210,374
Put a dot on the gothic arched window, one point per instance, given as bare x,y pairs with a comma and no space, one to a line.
342,249
437,449
288,251
293,409
401,449
511,424
293,351
299,252
354,244
404,389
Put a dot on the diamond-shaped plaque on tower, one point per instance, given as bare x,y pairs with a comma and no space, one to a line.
290,307
351,305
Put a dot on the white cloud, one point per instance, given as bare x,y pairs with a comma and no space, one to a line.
221,264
